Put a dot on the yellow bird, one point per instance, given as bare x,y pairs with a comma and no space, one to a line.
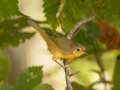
61,47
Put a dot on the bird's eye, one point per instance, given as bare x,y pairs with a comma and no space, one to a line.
78,49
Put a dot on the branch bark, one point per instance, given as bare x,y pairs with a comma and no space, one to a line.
77,27
67,75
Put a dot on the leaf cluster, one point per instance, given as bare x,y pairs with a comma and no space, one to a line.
30,79
11,23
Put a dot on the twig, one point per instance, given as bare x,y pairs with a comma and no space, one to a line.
78,25
58,63
100,64
60,11
67,75
98,82
97,58
75,73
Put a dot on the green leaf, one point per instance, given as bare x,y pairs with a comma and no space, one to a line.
29,79
104,9
70,14
93,29
43,87
8,8
77,86
10,33
116,76
10,23
51,8
108,10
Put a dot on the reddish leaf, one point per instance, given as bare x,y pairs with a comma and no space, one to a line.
109,35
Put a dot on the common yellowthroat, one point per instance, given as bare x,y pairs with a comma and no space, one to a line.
61,47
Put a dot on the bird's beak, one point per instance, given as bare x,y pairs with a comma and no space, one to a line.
84,54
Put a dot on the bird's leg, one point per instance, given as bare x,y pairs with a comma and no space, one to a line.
73,73
55,59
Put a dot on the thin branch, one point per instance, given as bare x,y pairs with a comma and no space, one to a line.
98,82
77,27
60,11
75,73
67,75
58,63
101,66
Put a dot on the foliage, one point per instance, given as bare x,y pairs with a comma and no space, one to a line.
8,9
77,86
30,79
11,22
76,10
109,35
12,35
43,87
51,8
